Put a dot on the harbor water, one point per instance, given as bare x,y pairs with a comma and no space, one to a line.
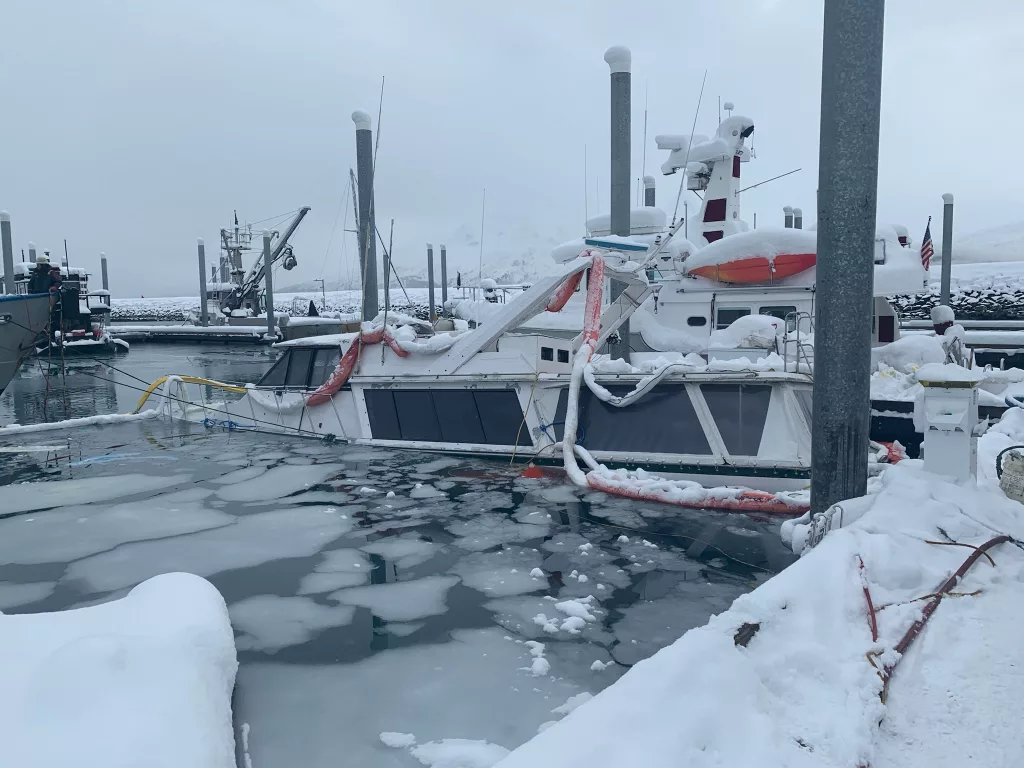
370,590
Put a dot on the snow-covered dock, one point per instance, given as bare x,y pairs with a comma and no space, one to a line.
246,334
144,680
791,674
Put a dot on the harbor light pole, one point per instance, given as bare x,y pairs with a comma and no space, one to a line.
268,273
851,86
366,228
204,316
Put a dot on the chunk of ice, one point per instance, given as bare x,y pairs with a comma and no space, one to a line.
279,482
404,552
270,622
401,600
572,703
490,572
397,740
459,753
27,497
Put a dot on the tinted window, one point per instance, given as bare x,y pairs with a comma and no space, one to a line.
458,417
662,422
886,329
777,311
726,316
563,355
380,410
416,417
739,411
324,363
298,367
806,403
501,417
547,353
275,376
697,321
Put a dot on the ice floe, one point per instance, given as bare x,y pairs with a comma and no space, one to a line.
401,600
279,482
28,497
271,622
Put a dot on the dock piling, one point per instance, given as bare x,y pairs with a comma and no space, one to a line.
851,87
204,317
649,192
32,253
365,226
787,213
798,218
947,247
444,277
432,312
8,249
103,272
619,61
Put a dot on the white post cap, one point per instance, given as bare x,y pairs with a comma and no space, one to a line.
798,212
361,119
728,106
619,58
430,246
31,246
103,255
200,241
948,198
267,234
648,182
787,209
5,216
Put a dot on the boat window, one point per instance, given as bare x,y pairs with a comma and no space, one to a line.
726,316
804,398
886,329
324,363
739,411
298,367
380,410
502,417
563,355
547,353
275,376
416,417
482,416
458,417
696,321
663,421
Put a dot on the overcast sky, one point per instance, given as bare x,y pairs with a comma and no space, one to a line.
134,127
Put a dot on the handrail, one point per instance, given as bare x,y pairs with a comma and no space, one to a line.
188,380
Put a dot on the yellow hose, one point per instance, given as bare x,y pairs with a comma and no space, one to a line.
189,380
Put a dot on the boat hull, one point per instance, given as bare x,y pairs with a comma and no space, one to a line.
22,319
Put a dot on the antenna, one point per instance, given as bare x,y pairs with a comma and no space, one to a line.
644,162
483,209
686,159
773,178
586,190
729,107
719,110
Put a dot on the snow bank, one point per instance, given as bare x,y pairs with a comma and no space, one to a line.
785,673
662,338
145,680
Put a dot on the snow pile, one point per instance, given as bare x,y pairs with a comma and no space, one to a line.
753,331
662,338
145,680
791,666
908,352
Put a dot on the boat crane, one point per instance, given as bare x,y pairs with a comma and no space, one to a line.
249,290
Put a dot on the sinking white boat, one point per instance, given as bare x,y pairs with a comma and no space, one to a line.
716,434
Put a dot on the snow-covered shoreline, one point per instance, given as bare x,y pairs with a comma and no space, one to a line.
788,676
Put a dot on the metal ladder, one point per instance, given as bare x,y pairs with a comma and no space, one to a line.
802,351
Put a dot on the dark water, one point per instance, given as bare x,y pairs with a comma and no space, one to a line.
357,612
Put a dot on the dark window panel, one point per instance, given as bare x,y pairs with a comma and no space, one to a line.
547,353
696,321
501,417
458,417
739,411
324,363
416,417
563,355
298,368
275,376
726,316
380,409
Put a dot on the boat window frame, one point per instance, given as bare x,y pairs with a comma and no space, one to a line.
281,362
294,355
730,308
793,309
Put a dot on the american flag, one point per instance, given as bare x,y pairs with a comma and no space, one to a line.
927,249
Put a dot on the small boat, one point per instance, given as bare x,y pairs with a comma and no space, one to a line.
22,318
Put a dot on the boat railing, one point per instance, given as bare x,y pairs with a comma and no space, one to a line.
797,342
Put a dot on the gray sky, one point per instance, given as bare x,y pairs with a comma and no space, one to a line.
134,127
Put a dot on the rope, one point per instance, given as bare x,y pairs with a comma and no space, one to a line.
515,446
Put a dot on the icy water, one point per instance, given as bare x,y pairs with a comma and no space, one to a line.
370,590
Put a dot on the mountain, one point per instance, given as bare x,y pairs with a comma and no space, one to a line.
1005,243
